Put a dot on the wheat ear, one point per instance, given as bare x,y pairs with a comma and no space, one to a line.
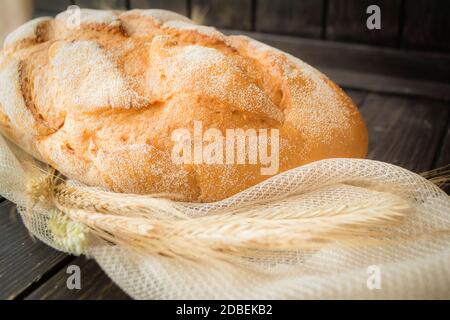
159,226
241,233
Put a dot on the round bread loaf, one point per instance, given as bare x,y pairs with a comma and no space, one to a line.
100,102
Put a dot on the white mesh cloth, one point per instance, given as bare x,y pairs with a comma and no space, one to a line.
413,262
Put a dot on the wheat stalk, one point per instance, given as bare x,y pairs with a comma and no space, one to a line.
157,225
157,206
439,176
242,231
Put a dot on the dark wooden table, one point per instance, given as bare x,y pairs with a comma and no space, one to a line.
403,96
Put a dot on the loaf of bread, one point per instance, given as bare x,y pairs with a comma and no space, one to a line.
100,102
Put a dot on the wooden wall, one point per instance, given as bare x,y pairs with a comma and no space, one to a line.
409,24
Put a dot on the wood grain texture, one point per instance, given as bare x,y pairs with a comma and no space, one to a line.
302,18
233,14
346,21
24,261
427,25
404,131
95,285
180,6
443,158
102,4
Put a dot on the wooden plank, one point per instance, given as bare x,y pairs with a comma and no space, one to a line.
102,4
235,14
49,7
388,84
404,131
358,96
303,18
180,6
427,25
443,158
95,285
346,21
24,261
369,68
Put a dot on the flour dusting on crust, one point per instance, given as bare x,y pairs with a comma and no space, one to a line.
28,31
89,77
189,26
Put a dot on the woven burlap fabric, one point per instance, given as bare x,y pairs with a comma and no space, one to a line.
414,265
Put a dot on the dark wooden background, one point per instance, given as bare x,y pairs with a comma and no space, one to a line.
407,24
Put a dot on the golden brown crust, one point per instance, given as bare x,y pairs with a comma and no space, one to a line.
99,103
